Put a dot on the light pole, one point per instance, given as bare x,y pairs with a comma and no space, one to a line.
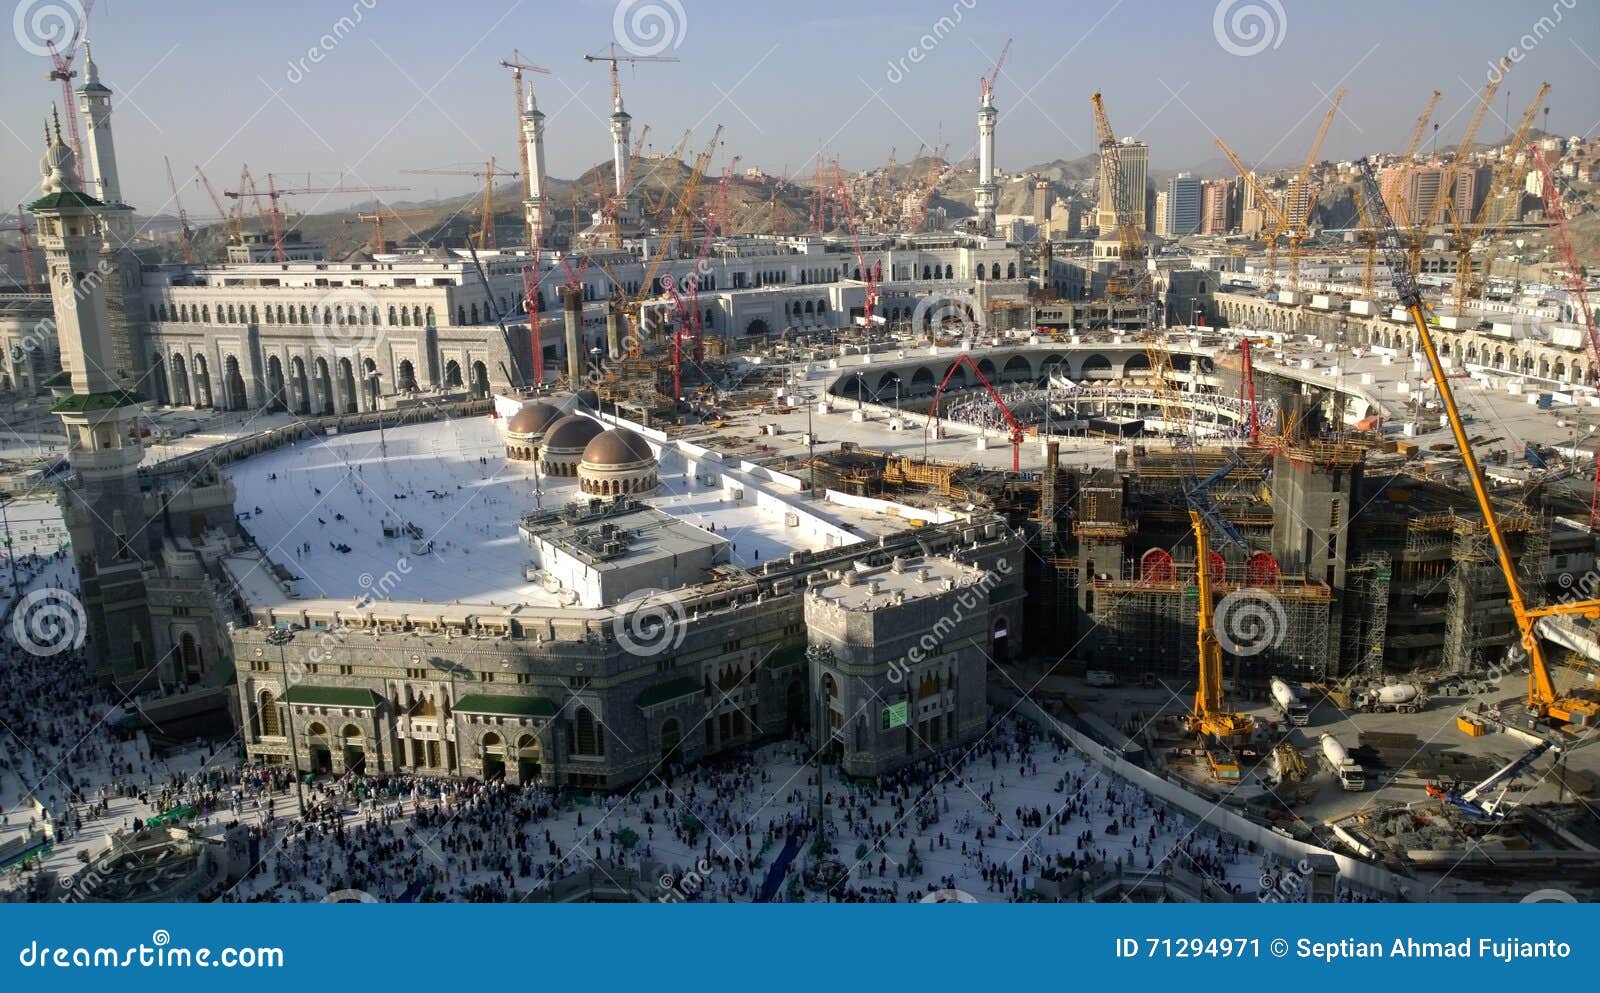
281,637
383,447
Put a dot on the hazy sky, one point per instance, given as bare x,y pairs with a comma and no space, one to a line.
406,84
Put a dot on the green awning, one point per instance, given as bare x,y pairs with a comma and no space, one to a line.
332,696
672,689
83,403
505,706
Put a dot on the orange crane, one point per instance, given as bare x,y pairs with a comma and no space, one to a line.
936,164
1505,183
1543,699
487,173
377,217
1300,217
272,214
518,67
1555,214
234,219
1423,218
184,231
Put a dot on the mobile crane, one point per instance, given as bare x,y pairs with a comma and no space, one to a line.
1543,701
1211,719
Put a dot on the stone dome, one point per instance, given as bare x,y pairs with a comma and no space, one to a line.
533,418
571,433
616,462
564,442
617,447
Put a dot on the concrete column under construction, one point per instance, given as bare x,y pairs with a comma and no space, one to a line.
613,330
572,310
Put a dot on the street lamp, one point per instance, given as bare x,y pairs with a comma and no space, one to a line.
281,637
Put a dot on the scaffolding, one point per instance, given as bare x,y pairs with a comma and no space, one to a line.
1366,629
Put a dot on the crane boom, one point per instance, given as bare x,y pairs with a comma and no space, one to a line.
1542,696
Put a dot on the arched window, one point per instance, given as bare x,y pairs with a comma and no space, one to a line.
994,271
1011,270
205,313
253,318
392,315
267,715
280,313
590,736
461,314
305,315
949,272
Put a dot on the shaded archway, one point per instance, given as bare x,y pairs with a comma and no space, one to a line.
180,381
348,403
406,376
202,382
480,379
299,386
323,396
277,389
493,755
233,390
452,373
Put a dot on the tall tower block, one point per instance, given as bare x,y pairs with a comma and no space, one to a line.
985,193
102,503
533,140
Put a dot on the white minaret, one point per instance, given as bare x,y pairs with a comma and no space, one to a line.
984,197
533,140
94,102
620,122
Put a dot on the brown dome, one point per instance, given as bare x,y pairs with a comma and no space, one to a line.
532,419
571,433
617,447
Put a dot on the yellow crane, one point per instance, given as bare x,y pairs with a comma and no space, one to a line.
1424,218
1211,717
1299,217
377,218
1491,218
486,172
1543,699
1277,220
1368,236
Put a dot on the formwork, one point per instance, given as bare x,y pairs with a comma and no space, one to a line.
1149,625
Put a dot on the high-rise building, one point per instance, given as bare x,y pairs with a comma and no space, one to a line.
1215,216
1133,162
1163,225
1182,208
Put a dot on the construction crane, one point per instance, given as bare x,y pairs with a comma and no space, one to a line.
1211,719
1555,216
518,67
61,70
1277,219
919,216
272,214
1247,390
233,219
185,233
869,274
1469,801
986,83
1423,219
613,58
377,218
1368,236
1299,218
1492,216
1543,700
1132,281
1017,432
30,270
487,173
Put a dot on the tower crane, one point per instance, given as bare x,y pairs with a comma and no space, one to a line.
613,58
30,270
1424,218
1277,219
273,214
1543,699
234,219
1132,281
487,173
61,70
377,217
1491,218
986,83
1300,217
185,233
1368,236
1555,213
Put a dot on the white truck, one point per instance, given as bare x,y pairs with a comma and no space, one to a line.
1289,704
1337,761
1407,698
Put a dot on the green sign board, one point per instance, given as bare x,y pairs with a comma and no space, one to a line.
895,715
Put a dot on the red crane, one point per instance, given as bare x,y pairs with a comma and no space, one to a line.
869,274
1555,215
61,69
987,82
1017,432
1247,389
248,189
30,272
